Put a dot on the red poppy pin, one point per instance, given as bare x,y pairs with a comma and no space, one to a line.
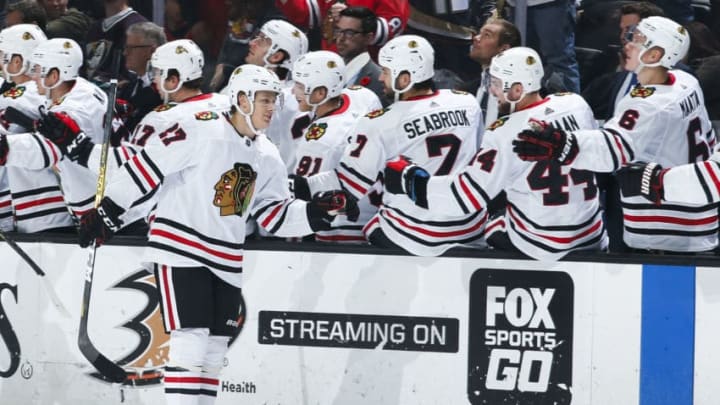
365,80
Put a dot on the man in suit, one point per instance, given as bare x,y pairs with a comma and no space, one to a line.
354,33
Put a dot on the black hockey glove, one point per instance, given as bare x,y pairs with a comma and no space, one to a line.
299,187
4,150
326,205
640,178
64,132
7,85
100,224
401,176
545,142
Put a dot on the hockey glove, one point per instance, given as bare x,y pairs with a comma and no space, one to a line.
100,224
123,109
299,187
545,142
640,178
401,176
7,85
326,205
4,149
64,132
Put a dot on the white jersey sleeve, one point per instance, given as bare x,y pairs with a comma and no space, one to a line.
693,183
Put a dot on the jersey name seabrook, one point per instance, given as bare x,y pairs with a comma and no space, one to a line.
435,122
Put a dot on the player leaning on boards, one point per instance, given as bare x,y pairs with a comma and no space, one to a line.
319,78
662,120
551,208
216,171
437,128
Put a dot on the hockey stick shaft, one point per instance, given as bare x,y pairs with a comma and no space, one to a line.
48,286
107,368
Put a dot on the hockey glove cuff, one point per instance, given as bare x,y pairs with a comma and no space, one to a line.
645,179
545,142
299,187
326,205
401,176
100,224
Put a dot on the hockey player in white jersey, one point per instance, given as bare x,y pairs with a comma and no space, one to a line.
55,69
215,171
440,129
277,46
662,120
319,78
38,204
551,208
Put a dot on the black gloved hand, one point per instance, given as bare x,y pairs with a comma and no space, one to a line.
100,224
64,132
326,205
401,176
545,142
640,178
7,85
299,187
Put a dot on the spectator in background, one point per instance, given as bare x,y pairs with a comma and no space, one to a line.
319,17
606,91
141,41
107,36
354,32
704,58
494,37
26,12
64,22
245,17
551,31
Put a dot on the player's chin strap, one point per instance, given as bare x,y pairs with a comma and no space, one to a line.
47,89
398,92
248,116
166,93
513,103
8,75
642,65
314,106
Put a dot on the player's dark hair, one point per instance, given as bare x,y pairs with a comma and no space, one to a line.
642,8
195,84
32,12
509,34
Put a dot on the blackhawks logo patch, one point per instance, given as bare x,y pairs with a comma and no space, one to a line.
455,91
376,113
315,131
164,107
497,124
235,189
206,116
642,92
15,92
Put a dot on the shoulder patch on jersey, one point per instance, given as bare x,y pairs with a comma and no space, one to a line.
234,190
15,92
455,91
497,124
377,113
563,93
315,131
355,87
164,107
206,116
643,92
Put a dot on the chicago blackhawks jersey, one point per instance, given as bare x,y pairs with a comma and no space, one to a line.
287,125
212,180
693,183
321,148
37,201
552,209
439,131
392,15
86,104
667,124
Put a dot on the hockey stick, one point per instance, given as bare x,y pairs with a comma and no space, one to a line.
48,287
106,367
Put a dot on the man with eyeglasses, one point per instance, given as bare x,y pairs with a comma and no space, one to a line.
354,33
663,119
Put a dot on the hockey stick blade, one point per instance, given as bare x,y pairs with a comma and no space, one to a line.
107,368
46,282
16,116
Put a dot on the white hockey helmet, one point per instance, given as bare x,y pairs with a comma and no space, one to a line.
408,53
518,65
664,33
284,37
182,55
62,54
320,69
20,39
249,79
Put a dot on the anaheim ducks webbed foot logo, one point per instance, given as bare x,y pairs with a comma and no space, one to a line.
234,190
